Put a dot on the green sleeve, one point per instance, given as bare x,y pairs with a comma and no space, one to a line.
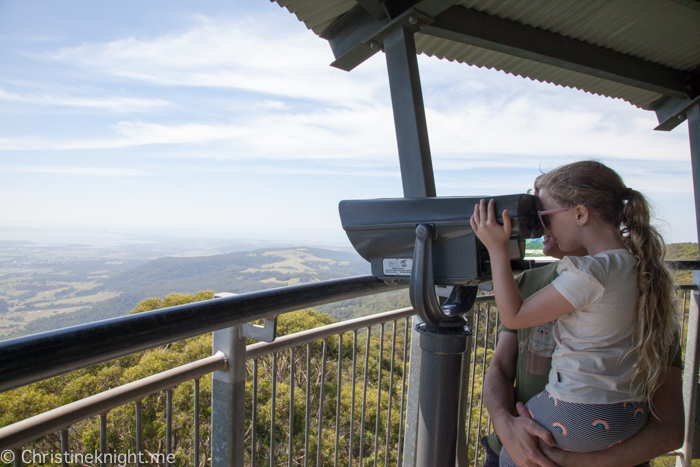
532,281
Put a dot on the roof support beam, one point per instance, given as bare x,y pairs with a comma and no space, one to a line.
359,34
671,112
409,114
351,37
501,35
374,8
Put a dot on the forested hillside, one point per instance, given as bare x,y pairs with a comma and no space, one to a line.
683,251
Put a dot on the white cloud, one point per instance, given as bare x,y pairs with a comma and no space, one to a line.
235,53
74,170
472,114
254,98
110,104
524,127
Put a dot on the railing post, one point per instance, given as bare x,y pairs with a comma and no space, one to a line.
462,446
690,378
228,400
692,356
412,401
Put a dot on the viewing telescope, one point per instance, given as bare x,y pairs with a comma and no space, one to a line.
429,241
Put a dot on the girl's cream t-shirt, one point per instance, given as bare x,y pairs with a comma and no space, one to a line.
594,355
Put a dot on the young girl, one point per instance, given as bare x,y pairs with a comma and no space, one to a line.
614,310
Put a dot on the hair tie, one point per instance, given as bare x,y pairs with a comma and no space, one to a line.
626,194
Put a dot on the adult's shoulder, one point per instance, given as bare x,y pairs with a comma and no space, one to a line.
533,280
547,270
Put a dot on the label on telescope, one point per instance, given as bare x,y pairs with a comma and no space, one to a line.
397,266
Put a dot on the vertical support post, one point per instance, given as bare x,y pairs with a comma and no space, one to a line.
410,440
228,400
139,432
690,377
409,114
692,351
65,447
439,401
693,115
168,426
417,179
196,423
103,438
462,447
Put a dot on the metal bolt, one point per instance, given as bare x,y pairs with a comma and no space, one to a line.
412,20
680,117
374,45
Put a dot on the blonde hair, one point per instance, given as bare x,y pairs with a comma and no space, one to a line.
598,187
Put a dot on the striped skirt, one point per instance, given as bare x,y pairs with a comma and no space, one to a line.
584,427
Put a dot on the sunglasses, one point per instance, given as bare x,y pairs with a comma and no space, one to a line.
544,215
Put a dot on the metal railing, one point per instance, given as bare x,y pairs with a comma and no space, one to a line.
330,434
329,395
62,418
373,427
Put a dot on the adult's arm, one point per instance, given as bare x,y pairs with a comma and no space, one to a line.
519,435
663,432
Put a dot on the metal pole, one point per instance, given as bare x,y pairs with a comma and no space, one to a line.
196,423
65,448
462,446
228,400
168,426
409,114
103,439
139,432
414,370
692,352
418,181
438,411
690,377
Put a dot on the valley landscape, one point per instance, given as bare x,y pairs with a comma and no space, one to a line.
46,287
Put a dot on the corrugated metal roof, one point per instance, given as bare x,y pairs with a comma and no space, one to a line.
660,31
317,15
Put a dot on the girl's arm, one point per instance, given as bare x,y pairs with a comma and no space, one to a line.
546,305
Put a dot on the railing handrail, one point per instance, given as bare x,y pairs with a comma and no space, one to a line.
29,359
29,429
261,349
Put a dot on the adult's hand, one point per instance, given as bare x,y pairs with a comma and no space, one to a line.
521,437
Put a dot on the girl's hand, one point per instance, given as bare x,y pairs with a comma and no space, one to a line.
487,229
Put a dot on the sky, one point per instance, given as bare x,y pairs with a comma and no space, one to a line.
223,119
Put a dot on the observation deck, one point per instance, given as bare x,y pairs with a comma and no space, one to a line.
287,400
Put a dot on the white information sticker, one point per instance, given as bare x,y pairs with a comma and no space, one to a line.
397,266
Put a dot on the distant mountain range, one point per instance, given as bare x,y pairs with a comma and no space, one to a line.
39,295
